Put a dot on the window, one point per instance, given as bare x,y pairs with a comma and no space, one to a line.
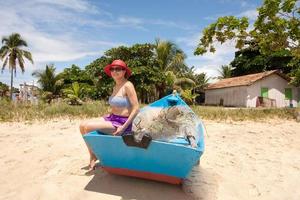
288,93
264,92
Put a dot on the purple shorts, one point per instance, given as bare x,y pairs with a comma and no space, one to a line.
118,121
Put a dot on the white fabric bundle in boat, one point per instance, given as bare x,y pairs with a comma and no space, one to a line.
165,123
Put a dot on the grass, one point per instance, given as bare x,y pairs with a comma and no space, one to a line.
244,114
26,112
20,112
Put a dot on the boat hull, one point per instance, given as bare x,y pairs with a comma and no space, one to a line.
169,162
144,175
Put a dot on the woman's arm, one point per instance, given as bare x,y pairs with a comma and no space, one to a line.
131,93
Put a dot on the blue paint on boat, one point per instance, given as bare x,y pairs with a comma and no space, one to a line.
175,158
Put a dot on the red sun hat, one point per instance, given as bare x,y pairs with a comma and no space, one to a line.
119,63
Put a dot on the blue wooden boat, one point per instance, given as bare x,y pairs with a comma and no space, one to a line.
163,161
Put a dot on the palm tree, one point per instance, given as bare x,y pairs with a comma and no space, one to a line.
169,58
225,71
178,82
201,81
49,82
74,94
12,53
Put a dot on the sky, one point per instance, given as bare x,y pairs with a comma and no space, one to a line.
66,32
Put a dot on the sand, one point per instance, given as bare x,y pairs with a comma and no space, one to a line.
243,160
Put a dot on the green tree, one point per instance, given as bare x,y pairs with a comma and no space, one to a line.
101,83
3,89
49,82
140,59
150,78
225,71
178,83
201,81
188,96
250,60
277,26
194,90
169,58
74,94
12,53
74,74
276,29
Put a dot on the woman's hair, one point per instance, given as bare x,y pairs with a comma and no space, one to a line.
126,75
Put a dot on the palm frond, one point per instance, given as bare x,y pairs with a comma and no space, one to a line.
68,91
177,62
181,81
47,79
21,63
168,55
12,61
22,43
4,40
4,64
225,71
76,90
28,55
4,51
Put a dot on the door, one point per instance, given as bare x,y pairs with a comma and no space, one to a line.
264,92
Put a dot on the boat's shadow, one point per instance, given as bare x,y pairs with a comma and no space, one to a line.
134,188
201,185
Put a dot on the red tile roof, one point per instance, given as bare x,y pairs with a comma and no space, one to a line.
243,80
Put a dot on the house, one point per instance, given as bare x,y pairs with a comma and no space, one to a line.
267,89
28,93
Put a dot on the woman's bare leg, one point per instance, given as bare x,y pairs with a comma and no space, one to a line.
92,125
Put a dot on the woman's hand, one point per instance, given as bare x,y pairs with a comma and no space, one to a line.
119,130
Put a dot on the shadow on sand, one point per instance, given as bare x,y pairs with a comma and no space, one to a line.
201,184
134,188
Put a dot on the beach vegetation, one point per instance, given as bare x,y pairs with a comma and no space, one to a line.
49,82
10,111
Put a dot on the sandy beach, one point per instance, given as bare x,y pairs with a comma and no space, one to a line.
243,160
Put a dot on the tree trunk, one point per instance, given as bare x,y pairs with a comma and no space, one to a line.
11,83
161,90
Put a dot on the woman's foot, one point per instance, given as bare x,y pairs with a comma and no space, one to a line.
92,165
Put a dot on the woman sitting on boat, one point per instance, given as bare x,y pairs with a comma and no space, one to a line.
124,106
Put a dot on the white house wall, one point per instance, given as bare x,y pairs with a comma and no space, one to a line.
233,96
276,86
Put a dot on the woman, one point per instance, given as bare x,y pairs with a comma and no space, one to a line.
124,106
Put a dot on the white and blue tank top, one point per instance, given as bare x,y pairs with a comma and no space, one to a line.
119,101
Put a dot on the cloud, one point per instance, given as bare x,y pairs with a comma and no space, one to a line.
216,16
76,5
49,45
190,41
140,23
250,14
209,62
133,22
241,3
174,24
54,31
